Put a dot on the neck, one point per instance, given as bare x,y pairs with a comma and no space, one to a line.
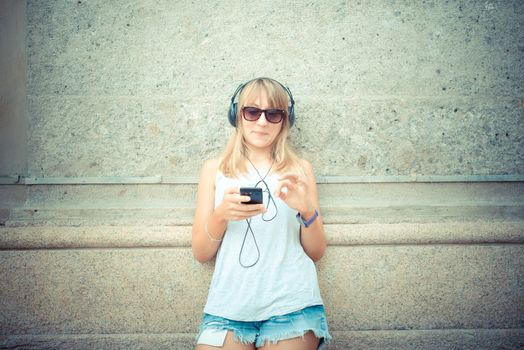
260,158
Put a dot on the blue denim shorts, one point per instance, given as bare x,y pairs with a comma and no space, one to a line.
294,324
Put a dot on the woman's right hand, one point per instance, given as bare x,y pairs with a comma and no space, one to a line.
233,209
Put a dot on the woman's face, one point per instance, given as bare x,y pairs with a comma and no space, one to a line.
260,134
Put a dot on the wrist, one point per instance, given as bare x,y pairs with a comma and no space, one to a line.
307,212
218,217
217,221
216,225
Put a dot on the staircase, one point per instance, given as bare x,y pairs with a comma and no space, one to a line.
421,265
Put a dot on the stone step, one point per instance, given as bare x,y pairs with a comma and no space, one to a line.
163,289
407,267
173,204
184,194
332,214
434,339
373,277
140,236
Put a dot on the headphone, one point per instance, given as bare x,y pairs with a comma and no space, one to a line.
232,115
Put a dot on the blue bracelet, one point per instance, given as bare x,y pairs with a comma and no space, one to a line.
307,223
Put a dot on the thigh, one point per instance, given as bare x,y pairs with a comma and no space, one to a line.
230,344
303,329
308,342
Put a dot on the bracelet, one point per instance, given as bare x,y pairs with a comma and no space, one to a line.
209,235
304,222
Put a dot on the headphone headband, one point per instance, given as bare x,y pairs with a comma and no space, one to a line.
232,115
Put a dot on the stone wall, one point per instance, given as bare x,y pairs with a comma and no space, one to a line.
13,72
411,112
383,88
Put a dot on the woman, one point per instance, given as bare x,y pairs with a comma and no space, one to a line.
264,292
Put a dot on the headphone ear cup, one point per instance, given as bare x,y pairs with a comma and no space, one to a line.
291,114
233,114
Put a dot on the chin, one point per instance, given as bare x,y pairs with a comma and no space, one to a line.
259,144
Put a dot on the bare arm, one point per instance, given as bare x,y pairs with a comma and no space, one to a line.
313,238
214,221
203,247
302,196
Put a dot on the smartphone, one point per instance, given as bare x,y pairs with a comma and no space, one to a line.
254,193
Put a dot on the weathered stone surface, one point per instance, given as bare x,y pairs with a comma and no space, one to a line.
141,236
102,291
410,136
187,49
13,73
470,339
340,203
423,287
142,136
330,194
163,290
381,89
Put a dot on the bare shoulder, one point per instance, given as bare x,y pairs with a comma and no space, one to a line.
211,164
209,169
306,167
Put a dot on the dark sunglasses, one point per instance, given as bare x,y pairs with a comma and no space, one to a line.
272,115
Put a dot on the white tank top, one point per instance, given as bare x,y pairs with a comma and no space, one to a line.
283,280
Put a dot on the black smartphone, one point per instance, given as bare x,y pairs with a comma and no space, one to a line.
254,193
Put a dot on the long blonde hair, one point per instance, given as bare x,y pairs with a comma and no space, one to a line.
232,161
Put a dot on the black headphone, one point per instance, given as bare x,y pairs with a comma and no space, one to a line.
232,116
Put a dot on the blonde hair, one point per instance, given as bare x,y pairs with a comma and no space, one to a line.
232,161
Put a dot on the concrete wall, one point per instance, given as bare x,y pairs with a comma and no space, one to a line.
411,112
382,88
440,296
13,79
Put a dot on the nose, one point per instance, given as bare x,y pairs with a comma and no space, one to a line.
262,120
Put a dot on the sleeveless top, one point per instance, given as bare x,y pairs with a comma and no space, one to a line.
283,280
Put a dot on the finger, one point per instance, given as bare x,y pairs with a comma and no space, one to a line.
244,199
282,195
301,180
281,184
232,190
295,178
237,198
284,184
248,208
289,176
245,213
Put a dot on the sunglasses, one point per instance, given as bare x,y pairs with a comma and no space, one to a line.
272,115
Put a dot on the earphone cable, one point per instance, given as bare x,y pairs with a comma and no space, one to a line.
248,221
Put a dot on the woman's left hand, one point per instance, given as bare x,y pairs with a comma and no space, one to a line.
297,195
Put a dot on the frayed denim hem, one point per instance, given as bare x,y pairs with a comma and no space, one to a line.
237,334
321,334
271,331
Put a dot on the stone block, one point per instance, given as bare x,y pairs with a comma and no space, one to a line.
109,291
163,290
381,89
13,89
324,48
163,136
423,287
471,339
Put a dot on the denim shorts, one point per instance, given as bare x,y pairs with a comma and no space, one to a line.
294,324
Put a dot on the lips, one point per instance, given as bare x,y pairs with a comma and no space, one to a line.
259,133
